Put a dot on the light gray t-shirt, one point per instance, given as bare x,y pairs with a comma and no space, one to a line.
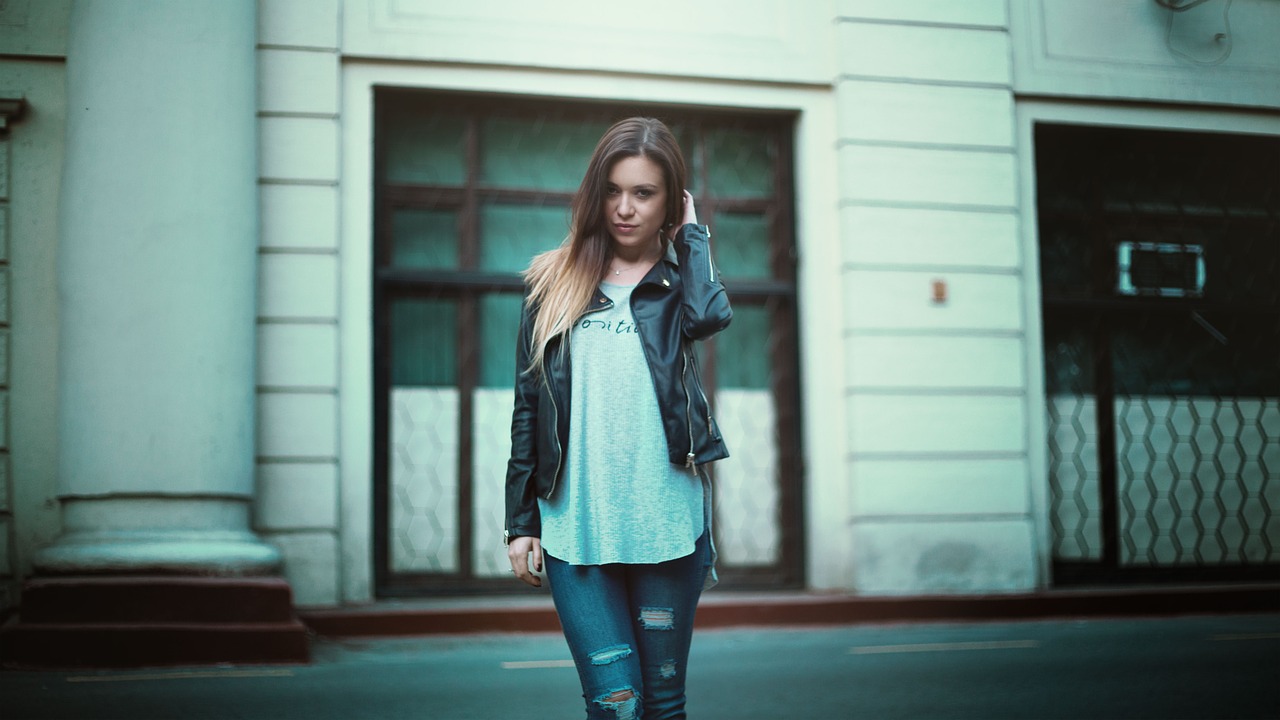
620,500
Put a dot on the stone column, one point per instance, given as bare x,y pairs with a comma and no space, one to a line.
157,263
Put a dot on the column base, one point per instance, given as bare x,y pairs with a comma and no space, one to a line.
227,554
157,535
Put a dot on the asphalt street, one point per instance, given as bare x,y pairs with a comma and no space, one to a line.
1190,667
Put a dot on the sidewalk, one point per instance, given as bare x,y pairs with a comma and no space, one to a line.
731,609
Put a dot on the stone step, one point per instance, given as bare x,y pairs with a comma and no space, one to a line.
156,599
137,621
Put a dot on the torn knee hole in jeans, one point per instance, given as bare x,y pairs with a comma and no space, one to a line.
667,670
613,653
653,618
622,702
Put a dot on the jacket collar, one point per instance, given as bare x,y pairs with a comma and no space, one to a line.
664,272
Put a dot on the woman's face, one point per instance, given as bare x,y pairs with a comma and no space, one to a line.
635,202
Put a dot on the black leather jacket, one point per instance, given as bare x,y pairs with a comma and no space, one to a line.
679,300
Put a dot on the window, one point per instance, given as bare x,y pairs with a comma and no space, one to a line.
468,188
1158,258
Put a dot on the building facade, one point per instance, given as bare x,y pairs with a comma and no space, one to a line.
1002,270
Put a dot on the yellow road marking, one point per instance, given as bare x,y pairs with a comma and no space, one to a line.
1249,636
535,664
945,647
188,675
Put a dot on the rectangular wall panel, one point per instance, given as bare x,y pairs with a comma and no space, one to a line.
951,487
935,362
914,558
932,114
923,425
903,301
941,12
873,174
911,52
297,425
298,286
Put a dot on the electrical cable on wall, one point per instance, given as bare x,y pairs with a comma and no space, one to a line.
1178,6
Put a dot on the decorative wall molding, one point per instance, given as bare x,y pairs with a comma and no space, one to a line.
1221,52
761,41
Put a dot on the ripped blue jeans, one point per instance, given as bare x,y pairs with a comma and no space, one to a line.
629,628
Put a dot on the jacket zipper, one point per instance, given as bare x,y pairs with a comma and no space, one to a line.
555,422
697,375
690,458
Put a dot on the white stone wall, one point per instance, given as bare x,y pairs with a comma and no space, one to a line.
936,392
297,464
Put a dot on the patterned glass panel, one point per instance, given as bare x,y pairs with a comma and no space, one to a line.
747,499
491,438
1197,480
510,235
747,496
424,239
743,164
424,480
537,154
741,245
1075,495
424,148
423,342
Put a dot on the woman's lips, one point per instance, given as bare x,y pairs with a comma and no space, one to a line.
624,228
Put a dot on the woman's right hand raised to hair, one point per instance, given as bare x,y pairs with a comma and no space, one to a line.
690,215
518,554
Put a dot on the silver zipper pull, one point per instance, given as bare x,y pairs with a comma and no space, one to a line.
688,462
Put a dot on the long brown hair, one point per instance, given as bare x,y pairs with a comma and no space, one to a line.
562,281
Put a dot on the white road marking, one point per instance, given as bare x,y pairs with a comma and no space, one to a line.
945,647
1248,636
536,664
189,675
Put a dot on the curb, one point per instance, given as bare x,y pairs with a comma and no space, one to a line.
727,610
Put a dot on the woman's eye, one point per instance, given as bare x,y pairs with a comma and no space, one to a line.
644,193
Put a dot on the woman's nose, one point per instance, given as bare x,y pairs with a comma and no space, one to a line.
624,206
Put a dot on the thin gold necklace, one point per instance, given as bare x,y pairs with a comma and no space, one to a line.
633,267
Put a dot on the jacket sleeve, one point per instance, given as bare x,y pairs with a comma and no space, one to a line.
705,302
523,518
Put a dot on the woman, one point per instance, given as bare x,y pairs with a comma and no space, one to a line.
611,429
